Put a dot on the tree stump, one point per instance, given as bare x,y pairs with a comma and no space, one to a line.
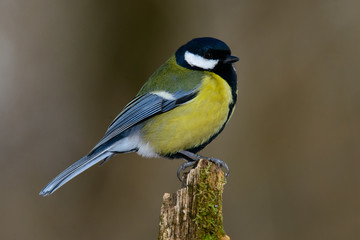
195,211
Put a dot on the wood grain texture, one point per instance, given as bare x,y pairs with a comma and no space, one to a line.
195,211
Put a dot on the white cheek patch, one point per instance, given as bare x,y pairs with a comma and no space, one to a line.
199,61
163,94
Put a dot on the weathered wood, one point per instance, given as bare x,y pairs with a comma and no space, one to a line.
195,211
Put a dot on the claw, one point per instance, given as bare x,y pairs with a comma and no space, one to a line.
220,164
184,166
194,158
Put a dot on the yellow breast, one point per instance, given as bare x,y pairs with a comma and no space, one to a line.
193,123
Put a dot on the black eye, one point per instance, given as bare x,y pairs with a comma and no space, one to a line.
208,55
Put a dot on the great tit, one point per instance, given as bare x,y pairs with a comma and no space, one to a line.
180,109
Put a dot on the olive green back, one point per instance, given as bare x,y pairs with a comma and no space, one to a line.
171,77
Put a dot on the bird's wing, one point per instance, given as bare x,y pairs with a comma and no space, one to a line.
139,109
142,108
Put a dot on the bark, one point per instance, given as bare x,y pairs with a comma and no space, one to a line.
195,211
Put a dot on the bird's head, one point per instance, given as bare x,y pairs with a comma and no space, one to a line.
204,54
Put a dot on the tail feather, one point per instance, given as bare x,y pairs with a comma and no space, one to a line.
72,171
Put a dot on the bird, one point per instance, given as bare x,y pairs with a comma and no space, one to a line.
179,110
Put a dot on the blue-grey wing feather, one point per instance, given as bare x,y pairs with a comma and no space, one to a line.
142,108
138,110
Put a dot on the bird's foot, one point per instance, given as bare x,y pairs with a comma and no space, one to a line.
193,159
185,166
219,164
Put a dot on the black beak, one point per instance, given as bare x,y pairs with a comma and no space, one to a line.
231,59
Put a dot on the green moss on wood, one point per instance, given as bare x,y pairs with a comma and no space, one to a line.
195,211
208,204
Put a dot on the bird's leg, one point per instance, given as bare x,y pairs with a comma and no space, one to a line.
193,159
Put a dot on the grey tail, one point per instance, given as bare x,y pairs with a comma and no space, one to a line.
74,170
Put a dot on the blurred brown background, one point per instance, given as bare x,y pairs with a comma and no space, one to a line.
67,68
